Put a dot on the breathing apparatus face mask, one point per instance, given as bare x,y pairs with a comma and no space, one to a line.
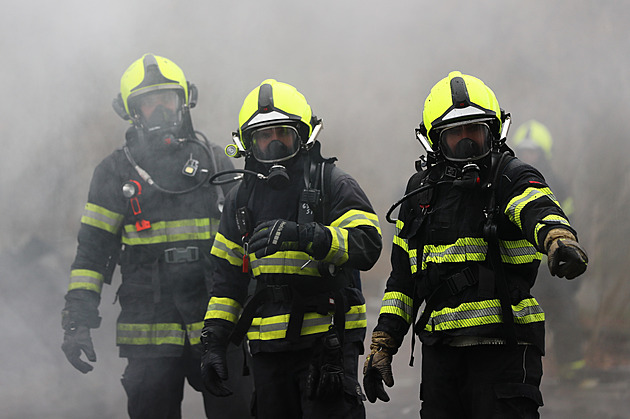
465,142
159,114
273,145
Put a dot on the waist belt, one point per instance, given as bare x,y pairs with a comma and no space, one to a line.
455,284
181,254
319,300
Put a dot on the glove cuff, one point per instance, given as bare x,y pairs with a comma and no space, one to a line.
557,234
215,333
71,320
384,342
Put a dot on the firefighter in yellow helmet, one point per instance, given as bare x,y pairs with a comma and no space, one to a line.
533,144
471,231
151,198
298,228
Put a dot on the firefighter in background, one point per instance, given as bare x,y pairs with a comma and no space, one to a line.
533,143
152,198
301,228
472,228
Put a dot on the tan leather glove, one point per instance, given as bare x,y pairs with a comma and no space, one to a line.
565,257
378,366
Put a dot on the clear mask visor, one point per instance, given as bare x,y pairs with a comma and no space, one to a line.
275,144
466,141
159,109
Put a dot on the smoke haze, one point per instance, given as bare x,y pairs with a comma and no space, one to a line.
364,66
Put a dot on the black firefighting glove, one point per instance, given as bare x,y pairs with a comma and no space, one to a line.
77,339
272,236
378,366
325,372
565,257
214,369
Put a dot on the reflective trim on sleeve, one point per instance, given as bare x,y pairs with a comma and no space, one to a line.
516,204
399,304
338,253
85,279
482,313
223,308
227,250
355,218
518,252
275,327
100,217
550,220
168,232
150,334
404,245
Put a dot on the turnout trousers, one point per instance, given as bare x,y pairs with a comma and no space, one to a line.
155,387
480,382
280,387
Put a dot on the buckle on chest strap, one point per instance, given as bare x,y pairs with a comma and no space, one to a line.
181,255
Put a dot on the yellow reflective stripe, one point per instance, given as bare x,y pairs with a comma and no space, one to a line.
403,243
227,250
481,313
284,262
100,217
223,308
516,204
275,327
464,249
399,304
85,279
355,218
168,231
550,219
338,252
150,334
518,252
194,332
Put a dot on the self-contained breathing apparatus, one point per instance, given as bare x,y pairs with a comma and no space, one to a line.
325,378
467,176
164,139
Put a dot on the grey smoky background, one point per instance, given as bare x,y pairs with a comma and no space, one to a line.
365,67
